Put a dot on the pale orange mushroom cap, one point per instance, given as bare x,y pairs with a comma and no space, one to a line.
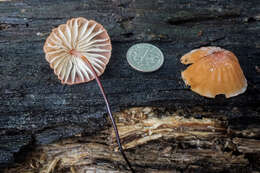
213,71
67,42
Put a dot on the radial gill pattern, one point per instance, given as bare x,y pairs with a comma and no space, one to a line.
88,39
213,71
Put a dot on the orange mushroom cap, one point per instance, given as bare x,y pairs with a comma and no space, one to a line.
213,71
67,42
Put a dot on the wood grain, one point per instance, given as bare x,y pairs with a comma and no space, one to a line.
35,108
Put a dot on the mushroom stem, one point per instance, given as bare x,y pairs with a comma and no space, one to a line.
109,112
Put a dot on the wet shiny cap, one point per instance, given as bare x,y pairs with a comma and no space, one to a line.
213,71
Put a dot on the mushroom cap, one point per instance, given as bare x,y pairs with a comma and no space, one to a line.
88,38
213,71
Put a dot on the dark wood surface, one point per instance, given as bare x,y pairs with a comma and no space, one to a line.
35,108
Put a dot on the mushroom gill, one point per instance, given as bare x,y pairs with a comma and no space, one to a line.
78,52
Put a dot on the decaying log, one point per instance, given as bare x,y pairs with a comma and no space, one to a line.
156,140
35,109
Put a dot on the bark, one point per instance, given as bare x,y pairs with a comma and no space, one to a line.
36,109
156,140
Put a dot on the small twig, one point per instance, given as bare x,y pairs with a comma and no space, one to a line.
52,165
72,170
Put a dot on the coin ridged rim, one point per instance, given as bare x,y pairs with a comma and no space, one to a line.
141,70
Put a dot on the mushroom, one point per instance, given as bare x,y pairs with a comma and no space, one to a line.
78,52
213,71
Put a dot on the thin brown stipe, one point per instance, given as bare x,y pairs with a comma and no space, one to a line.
78,54
75,53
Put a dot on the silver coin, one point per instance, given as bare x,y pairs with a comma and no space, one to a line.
145,57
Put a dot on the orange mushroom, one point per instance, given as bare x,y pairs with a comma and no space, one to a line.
78,52
213,71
